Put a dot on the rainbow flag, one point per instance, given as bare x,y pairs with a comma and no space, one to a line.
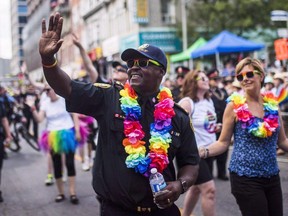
283,96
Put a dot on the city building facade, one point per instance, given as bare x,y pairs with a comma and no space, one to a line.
18,21
105,28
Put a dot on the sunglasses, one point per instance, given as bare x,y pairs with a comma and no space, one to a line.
248,74
202,78
142,63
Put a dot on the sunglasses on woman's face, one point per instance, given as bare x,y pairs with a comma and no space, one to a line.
202,78
248,74
142,63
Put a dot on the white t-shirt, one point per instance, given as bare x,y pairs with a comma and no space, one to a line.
204,120
57,118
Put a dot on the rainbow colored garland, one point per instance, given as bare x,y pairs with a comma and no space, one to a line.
160,137
261,128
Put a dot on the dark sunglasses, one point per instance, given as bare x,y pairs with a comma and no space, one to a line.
248,74
142,63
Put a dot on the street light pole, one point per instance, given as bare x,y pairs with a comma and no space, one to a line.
184,24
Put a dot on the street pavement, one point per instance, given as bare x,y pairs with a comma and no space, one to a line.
25,194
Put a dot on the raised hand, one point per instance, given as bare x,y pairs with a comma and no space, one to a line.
50,41
76,40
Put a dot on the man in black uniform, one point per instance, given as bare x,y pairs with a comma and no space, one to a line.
219,96
121,190
181,71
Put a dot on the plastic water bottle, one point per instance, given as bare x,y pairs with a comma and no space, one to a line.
157,181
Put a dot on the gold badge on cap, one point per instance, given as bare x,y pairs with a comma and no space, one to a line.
143,47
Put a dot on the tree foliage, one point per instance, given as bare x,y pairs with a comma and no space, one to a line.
209,17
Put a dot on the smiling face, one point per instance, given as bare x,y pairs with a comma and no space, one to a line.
250,73
145,80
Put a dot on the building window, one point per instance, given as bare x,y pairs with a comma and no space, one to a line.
22,9
21,53
168,11
22,19
20,29
20,42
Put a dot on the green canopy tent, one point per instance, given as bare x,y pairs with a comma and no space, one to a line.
186,54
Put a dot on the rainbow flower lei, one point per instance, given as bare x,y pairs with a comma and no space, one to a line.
160,137
261,128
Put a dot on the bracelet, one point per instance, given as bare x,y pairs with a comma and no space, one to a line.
206,153
50,66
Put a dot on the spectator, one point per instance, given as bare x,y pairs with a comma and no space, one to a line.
227,81
236,87
268,84
218,96
278,81
229,69
119,72
181,71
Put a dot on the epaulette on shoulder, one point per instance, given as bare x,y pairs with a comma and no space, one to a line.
118,85
102,85
177,106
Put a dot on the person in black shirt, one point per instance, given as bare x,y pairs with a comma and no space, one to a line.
181,71
123,190
218,96
5,138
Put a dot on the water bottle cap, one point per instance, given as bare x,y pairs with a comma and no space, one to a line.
153,170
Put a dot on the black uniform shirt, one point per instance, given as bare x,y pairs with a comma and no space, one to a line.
219,96
2,115
112,180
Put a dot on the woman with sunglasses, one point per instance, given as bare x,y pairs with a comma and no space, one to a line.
61,136
197,102
255,122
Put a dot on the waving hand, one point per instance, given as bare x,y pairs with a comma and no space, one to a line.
50,41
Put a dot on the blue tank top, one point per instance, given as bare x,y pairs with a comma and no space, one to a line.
253,156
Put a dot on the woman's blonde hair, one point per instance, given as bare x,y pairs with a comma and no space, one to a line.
255,63
190,87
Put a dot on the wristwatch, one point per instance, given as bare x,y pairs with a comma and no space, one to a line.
184,185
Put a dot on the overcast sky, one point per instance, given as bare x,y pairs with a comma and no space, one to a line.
5,32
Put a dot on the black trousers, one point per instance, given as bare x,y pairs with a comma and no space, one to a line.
29,117
257,196
57,164
1,156
110,209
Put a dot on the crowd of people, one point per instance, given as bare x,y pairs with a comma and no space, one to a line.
145,121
